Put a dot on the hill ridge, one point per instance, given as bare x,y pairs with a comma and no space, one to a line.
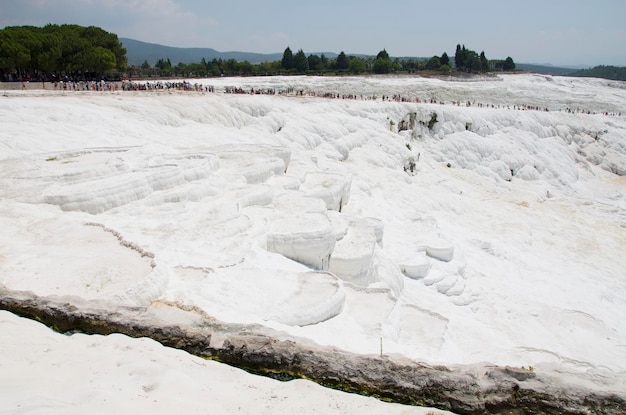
138,52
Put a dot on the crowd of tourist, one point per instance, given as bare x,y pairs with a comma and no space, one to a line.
166,85
161,85
70,85
399,98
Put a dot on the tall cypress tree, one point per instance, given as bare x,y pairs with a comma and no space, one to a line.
484,62
459,56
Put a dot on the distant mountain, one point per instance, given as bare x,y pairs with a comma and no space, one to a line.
615,73
138,52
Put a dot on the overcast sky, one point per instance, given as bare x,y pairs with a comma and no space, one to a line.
561,32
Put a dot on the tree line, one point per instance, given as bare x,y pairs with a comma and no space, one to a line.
55,51
465,60
615,73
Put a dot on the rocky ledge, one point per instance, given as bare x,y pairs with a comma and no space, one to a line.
476,389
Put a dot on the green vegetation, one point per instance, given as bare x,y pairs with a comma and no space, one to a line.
300,63
56,52
382,63
287,61
309,65
53,51
616,73
342,63
467,60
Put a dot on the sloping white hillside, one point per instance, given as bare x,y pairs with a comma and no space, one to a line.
454,221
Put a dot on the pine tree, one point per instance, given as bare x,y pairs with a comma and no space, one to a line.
287,61
382,63
509,65
444,60
383,55
314,62
300,62
342,62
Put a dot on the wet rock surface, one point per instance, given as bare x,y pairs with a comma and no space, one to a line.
475,389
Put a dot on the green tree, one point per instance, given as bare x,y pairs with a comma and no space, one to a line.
181,70
383,55
484,62
68,49
245,67
100,38
469,61
197,69
342,62
314,62
287,61
382,66
357,65
217,67
100,60
444,60
615,73
382,63
472,61
265,68
410,65
276,67
434,63
49,56
323,62
509,65
300,62
163,64
230,66
13,55
459,57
